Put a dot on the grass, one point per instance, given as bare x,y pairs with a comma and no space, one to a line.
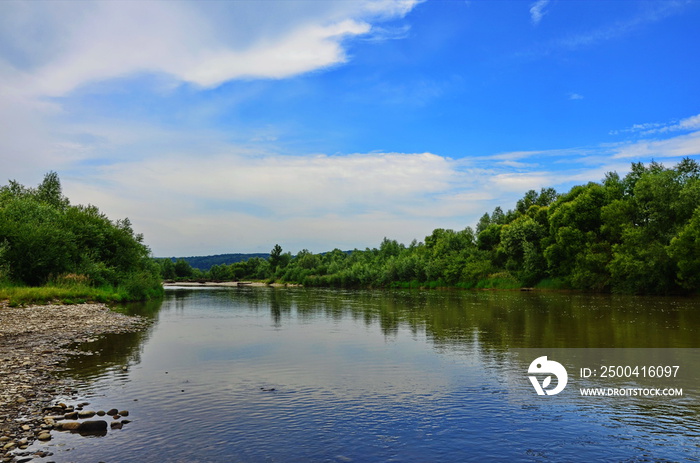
18,295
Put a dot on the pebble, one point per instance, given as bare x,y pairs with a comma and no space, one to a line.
69,425
93,426
35,341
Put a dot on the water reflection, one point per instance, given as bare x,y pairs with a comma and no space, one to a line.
114,352
496,320
376,376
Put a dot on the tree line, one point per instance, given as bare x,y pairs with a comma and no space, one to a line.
634,234
44,240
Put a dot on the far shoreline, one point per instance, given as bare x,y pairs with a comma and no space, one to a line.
228,284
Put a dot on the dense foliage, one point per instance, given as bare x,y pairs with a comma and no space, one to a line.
637,234
206,262
46,240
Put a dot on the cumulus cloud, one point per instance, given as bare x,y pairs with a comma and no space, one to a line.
245,201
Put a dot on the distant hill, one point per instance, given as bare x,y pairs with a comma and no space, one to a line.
206,262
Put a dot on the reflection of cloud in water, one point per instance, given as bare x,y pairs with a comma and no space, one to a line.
410,375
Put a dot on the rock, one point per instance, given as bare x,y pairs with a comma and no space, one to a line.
4,439
126,421
116,417
21,400
86,414
113,411
101,413
115,425
26,427
8,446
93,426
124,413
44,436
71,416
69,426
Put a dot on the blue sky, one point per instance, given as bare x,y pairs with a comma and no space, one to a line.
231,126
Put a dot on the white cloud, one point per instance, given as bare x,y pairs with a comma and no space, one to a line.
537,11
234,199
52,48
241,202
676,147
649,128
575,96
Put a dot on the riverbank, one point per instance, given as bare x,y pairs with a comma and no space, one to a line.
224,284
35,341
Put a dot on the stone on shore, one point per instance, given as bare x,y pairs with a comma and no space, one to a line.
69,425
35,342
93,426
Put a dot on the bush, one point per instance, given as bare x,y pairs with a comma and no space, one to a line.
44,239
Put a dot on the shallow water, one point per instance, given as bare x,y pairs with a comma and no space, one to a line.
293,374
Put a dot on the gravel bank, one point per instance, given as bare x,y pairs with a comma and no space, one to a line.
34,343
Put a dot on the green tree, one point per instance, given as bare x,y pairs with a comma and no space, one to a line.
183,269
685,249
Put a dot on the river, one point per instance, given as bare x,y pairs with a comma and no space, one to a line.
311,375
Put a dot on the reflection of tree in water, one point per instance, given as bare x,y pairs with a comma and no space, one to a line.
497,319
494,319
114,350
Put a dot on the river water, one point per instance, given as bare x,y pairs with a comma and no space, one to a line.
308,375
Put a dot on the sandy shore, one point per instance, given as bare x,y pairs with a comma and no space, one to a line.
34,343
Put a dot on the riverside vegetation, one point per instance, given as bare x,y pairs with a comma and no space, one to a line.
634,234
50,249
